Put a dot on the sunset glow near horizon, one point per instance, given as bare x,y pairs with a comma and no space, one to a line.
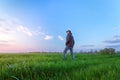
40,25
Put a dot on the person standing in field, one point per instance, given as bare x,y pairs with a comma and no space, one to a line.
69,44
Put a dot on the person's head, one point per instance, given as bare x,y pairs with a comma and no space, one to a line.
68,32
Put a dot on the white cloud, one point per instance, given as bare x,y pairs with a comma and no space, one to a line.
87,46
24,30
29,32
114,40
12,32
39,33
10,25
60,38
42,34
48,37
7,31
11,28
116,28
8,22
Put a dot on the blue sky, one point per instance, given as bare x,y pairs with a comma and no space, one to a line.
40,25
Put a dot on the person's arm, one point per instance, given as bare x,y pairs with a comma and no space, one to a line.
73,41
68,40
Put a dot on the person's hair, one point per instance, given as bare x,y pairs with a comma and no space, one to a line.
68,31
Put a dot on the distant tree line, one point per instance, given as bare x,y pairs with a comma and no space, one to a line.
107,51
103,51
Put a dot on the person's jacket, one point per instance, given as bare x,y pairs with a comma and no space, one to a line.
70,40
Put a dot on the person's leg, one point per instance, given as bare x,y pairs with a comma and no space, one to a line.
72,54
64,52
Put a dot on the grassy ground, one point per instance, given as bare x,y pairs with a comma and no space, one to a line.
51,66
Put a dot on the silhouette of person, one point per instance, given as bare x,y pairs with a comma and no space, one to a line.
69,44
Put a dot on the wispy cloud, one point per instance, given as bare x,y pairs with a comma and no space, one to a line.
2,42
9,34
7,31
31,33
10,25
117,28
114,46
12,31
42,34
113,40
60,38
24,30
48,37
87,46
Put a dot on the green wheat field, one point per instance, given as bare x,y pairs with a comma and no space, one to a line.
51,66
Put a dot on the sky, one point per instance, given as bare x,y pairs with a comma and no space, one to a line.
40,25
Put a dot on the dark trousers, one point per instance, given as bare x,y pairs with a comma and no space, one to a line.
65,51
